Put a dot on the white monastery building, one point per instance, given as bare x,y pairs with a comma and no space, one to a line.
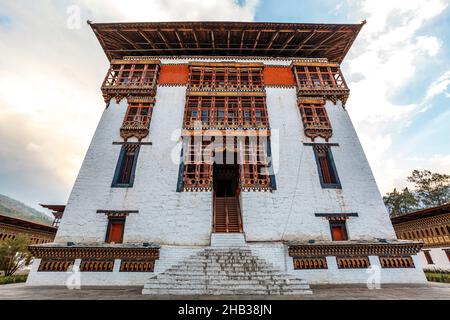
225,163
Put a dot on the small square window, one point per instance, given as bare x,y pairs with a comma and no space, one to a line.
116,228
338,230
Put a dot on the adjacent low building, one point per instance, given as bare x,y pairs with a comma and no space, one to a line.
432,226
38,233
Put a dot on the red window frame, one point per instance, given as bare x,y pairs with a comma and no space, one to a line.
116,230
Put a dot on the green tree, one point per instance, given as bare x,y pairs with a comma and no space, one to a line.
399,203
431,189
14,254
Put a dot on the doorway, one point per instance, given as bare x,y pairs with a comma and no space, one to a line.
226,207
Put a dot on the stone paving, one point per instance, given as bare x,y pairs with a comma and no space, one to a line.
430,291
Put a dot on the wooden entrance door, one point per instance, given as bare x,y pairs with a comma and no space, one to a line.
226,206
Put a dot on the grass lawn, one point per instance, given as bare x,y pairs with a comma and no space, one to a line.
13,279
438,277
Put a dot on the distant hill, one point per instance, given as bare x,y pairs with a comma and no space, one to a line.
16,209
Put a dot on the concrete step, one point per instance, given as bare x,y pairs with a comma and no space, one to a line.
225,271
227,292
195,278
228,240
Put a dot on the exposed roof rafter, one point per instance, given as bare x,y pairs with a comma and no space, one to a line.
330,41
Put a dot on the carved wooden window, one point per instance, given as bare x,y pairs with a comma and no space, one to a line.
428,256
126,166
255,164
137,119
138,114
319,77
197,173
225,112
225,78
197,166
61,265
131,74
137,265
315,118
96,265
353,262
310,263
325,164
338,230
116,228
396,262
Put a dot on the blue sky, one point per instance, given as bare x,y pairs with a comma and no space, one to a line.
398,71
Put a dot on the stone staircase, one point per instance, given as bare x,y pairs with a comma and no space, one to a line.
228,240
224,271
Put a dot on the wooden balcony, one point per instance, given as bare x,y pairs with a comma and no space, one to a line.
130,78
314,129
136,126
320,79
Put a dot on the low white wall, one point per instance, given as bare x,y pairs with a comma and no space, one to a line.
439,257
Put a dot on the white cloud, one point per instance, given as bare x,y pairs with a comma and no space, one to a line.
438,86
50,103
383,61
171,10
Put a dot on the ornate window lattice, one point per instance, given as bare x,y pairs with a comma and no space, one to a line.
397,262
315,118
310,263
55,265
226,78
223,112
319,77
252,156
197,165
353,262
137,265
255,164
130,77
97,265
137,119
325,164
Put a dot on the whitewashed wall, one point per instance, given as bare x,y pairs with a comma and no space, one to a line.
165,216
172,218
288,212
439,257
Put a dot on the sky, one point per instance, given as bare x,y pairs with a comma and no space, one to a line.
52,66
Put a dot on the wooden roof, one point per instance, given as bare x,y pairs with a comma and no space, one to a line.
26,224
290,40
424,213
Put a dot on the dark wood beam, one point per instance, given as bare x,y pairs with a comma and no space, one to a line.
312,34
242,40
195,37
257,39
133,44
143,35
179,39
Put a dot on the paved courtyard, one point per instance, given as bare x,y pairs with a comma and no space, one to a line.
432,291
